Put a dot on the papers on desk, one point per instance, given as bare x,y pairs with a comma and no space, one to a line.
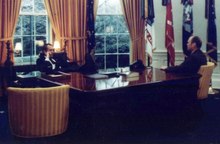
97,76
26,76
129,79
110,74
126,76
130,76
60,75
55,75
29,75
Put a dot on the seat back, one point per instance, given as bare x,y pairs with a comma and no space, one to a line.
206,73
38,112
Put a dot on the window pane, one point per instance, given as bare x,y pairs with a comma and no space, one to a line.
111,61
111,44
99,24
100,61
101,7
41,25
27,6
100,44
122,25
39,6
111,24
123,60
111,6
16,40
27,25
18,27
123,43
27,46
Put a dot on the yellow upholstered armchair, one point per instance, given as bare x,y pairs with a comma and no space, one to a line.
206,74
38,112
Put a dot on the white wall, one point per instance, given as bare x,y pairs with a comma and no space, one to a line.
199,23
199,26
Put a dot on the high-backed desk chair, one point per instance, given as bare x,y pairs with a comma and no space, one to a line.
206,73
38,112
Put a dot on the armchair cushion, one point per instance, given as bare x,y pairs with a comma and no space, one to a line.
38,112
206,73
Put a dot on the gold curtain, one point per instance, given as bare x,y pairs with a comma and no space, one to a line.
145,8
68,20
135,23
96,4
9,12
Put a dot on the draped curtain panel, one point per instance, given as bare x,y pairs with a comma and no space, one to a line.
79,79
135,23
96,4
9,12
146,8
68,20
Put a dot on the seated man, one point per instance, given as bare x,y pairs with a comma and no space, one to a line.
193,62
46,63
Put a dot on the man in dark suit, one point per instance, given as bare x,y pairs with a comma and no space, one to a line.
45,62
193,62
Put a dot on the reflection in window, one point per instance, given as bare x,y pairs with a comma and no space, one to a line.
32,27
112,37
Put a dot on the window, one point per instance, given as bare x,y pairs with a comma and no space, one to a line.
112,37
32,27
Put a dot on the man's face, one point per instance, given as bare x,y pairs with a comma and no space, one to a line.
50,50
190,45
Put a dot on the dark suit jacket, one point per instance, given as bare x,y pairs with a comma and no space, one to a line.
45,66
191,64
60,65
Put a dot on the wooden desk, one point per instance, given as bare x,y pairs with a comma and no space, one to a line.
153,76
113,105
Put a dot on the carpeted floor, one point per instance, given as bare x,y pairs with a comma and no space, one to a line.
205,131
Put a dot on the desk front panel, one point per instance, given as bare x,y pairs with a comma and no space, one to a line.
109,106
164,105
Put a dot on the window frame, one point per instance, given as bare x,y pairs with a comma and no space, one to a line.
104,34
31,58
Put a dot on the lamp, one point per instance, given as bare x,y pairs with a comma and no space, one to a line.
56,45
39,43
18,48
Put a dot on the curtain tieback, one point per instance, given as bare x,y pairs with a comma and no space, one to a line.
73,38
138,38
6,39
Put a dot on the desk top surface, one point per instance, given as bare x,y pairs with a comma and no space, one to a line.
149,76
